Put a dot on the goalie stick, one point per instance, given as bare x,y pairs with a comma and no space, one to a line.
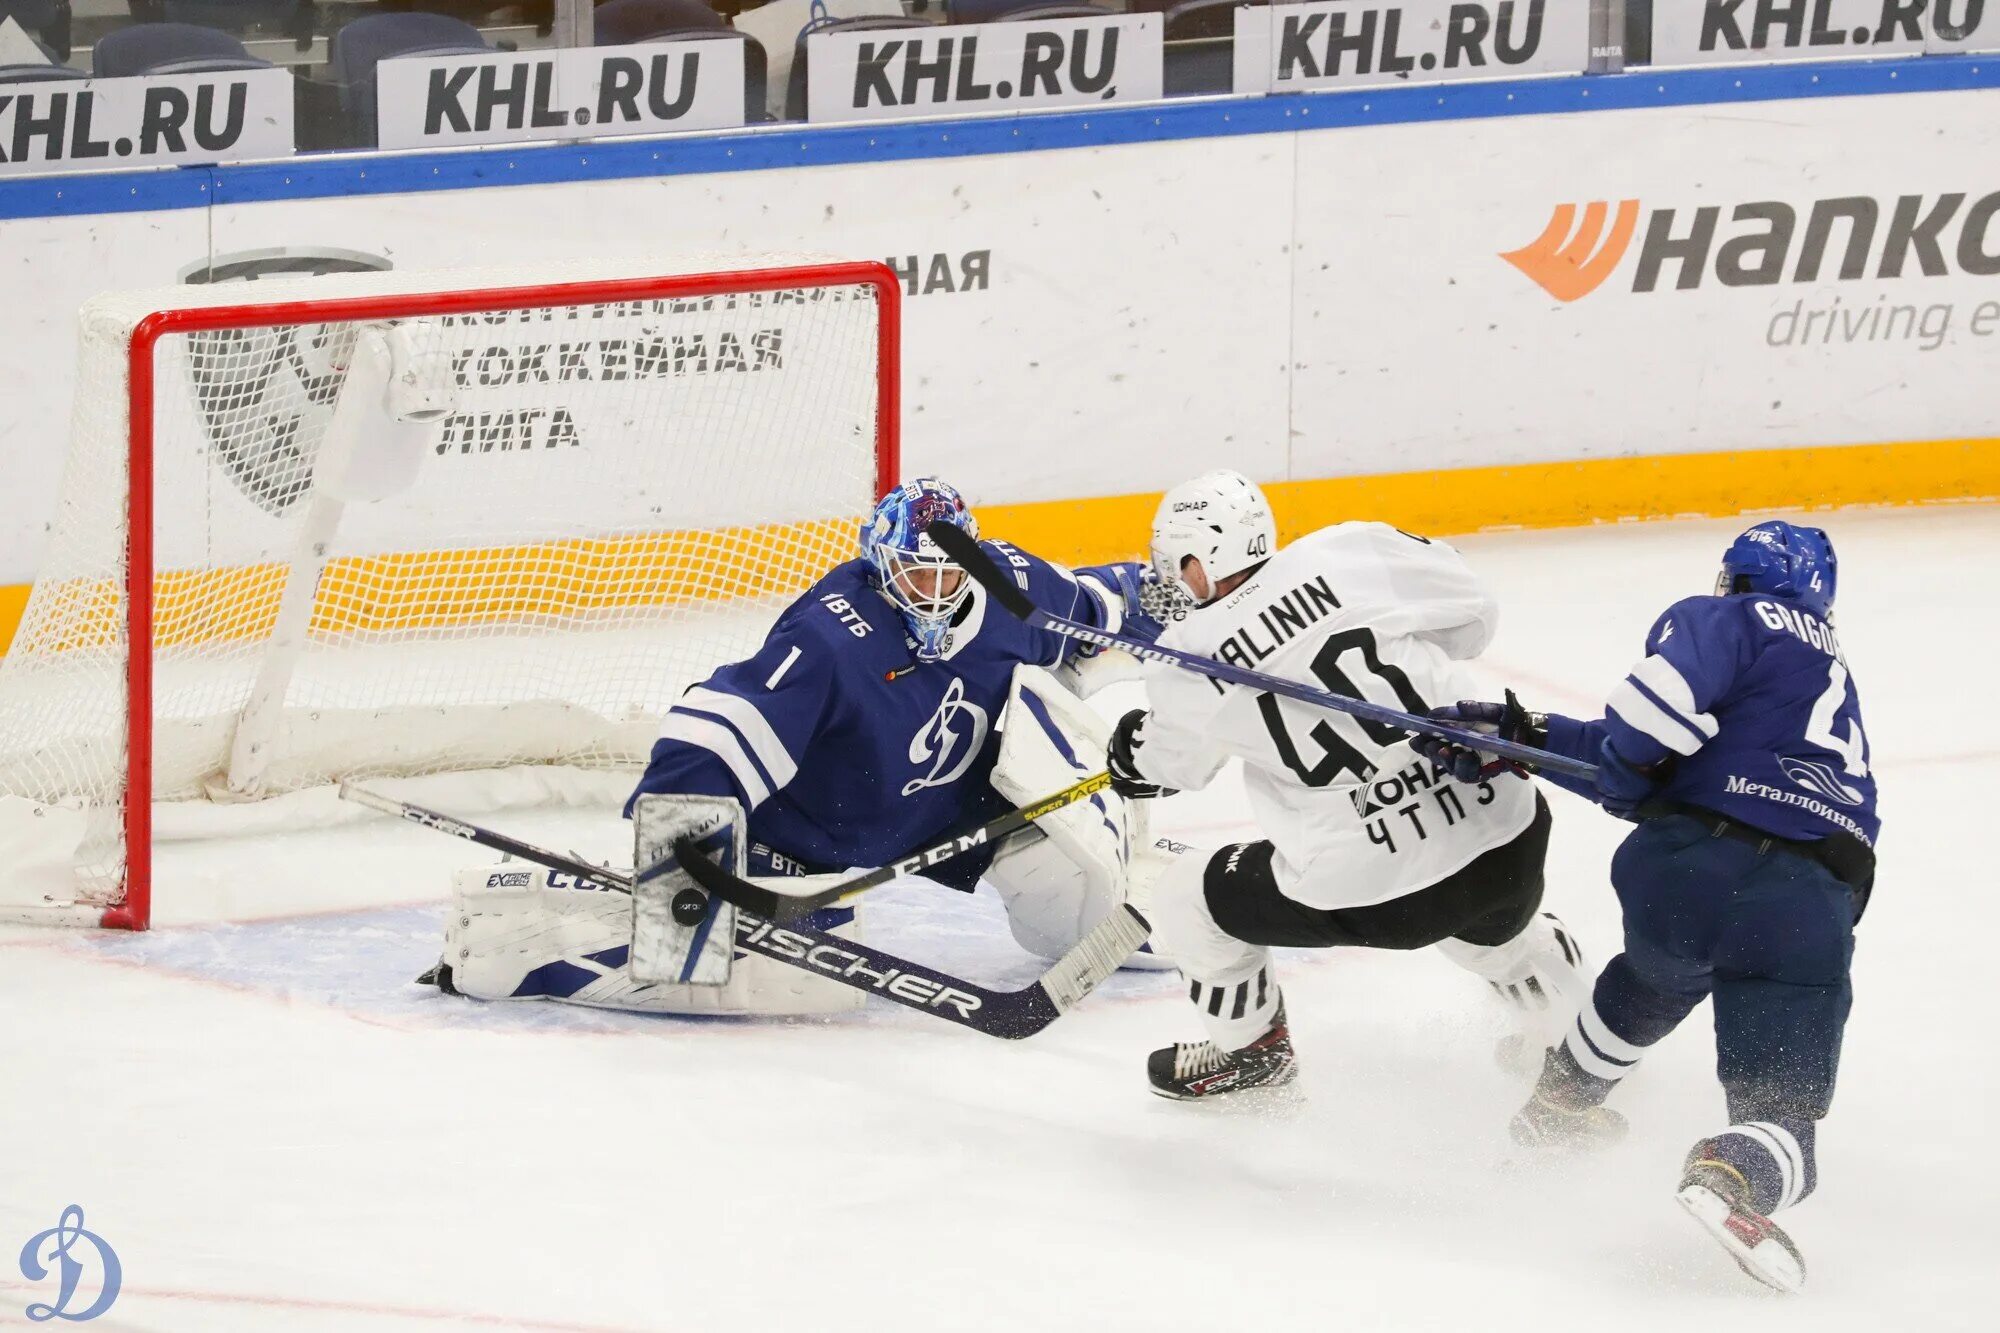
964,552
997,1013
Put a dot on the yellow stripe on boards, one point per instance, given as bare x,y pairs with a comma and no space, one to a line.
1545,495
384,594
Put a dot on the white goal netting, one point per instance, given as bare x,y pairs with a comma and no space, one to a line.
400,524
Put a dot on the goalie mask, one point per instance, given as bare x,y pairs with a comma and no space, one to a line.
918,578
1220,519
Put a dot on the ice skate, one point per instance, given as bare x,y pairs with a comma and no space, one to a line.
1201,1071
1717,1197
1563,1116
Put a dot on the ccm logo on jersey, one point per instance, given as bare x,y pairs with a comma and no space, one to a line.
765,938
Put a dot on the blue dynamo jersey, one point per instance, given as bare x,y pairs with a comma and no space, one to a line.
1750,698
846,750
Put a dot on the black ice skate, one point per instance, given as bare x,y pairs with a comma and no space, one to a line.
1716,1196
1563,1115
1198,1071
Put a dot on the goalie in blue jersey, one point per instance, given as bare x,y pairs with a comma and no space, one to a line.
889,707
1736,745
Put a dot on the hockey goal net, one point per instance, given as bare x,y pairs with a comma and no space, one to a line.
361,525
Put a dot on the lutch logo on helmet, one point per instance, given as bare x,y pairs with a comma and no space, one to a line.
1570,261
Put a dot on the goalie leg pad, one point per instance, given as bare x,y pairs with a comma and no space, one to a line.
1060,885
524,933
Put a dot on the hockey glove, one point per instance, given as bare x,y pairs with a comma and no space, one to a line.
1118,760
1163,601
1509,721
1622,786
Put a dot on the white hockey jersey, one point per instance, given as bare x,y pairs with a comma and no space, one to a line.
1357,816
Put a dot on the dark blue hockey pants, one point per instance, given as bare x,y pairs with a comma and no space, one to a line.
1770,936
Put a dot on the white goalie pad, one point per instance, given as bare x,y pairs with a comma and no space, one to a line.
680,934
519,932
1057,887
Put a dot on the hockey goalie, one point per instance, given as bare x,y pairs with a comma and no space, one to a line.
887,709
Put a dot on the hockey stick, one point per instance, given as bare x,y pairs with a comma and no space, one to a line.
964,552
997,1013
788,908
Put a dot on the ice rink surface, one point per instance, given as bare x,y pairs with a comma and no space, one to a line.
275,1131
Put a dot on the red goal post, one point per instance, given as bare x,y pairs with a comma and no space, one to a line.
658,461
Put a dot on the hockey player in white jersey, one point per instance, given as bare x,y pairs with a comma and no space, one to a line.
1368,845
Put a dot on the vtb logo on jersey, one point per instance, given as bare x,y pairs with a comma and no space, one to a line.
266,395
949,741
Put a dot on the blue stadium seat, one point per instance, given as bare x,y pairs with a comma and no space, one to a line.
169,48
1014,11
40,74
795,88
366,42
623,22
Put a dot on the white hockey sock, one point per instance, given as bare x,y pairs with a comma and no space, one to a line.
1596,1049
1237,1007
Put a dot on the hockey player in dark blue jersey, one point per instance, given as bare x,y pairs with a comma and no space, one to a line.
1736,744
889,707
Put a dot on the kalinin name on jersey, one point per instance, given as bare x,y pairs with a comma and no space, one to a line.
1283,620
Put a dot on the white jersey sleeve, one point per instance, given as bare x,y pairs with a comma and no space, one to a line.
1356,815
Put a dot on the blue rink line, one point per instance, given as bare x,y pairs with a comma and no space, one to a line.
364,962
335,175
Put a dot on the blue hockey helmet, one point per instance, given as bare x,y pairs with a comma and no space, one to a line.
918,578
1781,560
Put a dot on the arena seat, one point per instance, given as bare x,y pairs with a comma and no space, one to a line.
40,74
169,48
366,42
623,22
1018,11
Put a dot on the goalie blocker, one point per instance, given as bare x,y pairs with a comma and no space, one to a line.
519,932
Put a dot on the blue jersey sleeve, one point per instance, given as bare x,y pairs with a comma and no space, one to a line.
740,732
1694,655
1102,596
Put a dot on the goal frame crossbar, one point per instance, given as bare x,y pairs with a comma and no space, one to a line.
134,909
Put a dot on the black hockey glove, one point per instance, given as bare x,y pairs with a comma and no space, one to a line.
1125,777
1509,721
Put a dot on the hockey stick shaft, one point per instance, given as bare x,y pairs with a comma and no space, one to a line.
786,907
964,551
850,963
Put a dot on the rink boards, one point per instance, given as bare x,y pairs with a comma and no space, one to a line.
1578,299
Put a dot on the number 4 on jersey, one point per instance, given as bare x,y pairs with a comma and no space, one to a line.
1852,747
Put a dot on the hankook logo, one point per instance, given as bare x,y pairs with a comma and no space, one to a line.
1764,242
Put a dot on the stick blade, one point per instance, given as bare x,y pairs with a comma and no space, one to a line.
965,553
1102,951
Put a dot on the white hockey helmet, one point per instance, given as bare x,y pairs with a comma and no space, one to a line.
1220,519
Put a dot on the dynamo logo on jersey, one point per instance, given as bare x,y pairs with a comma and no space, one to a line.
938,742
1817,777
